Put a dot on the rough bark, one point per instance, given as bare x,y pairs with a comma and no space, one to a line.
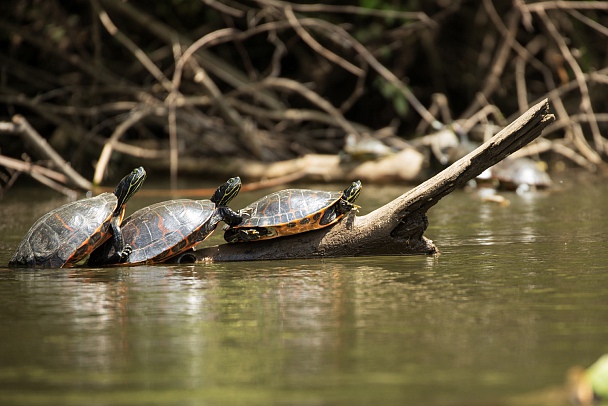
396,228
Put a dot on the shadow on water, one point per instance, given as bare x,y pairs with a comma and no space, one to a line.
516,297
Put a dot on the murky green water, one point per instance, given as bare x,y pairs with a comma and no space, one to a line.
519,294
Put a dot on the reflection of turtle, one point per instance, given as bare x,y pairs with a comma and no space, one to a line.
292,211
520,174
167,229
66,235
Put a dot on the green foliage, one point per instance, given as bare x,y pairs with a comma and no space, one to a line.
396,97
597,374
55,32
374,29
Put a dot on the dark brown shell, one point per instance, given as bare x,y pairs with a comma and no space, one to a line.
290,211
66,235
163,230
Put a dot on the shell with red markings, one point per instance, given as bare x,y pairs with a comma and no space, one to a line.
66,235
163,230
292,211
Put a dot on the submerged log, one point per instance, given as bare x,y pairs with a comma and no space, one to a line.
396,228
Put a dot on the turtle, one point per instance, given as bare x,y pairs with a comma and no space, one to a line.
65,236
167,229
292,211
520,174
365,148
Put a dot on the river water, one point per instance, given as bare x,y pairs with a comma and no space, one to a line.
518,295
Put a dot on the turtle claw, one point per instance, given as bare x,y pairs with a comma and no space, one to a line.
246,213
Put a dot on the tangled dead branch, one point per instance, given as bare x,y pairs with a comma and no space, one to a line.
106,81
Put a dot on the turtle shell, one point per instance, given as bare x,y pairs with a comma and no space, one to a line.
287,212
512,173
66,235
163,230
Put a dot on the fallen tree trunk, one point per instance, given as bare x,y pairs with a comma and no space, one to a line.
396,228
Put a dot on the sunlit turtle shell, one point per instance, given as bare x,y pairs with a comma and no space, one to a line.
292,211
65,236
514,173
166,229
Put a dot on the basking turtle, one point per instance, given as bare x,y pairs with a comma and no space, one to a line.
366,148
292,211
520,174
167,229
66,235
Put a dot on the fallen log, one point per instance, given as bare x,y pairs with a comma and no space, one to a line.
404,166
396,228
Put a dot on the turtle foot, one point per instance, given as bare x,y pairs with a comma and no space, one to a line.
124,254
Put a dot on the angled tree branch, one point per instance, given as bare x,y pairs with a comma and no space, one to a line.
396,228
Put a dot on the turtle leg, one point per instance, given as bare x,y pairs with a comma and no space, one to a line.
256,233
341,207
113,251
344,206
248,234
231,235
122,250
329,215
225,213
241,234
230,217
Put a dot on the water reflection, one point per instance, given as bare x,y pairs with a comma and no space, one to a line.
516,297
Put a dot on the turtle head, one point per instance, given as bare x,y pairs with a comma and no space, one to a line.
226,192
352,192
128,186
